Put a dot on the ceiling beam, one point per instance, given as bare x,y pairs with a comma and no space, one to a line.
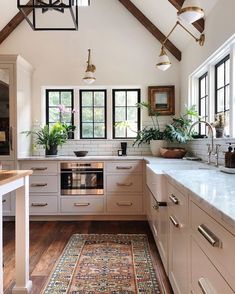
151,27
199,24
13,23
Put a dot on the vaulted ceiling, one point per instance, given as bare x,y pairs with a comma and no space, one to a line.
161,13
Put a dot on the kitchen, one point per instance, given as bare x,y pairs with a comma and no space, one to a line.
117,199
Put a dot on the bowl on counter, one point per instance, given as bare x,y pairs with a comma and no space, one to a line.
80,153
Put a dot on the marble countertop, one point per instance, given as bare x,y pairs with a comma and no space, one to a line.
85,158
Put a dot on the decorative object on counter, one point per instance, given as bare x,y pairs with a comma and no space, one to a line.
163,61
51,138
89,77
126,255
80,153
162,100
172,152
120,152
219,125
230,157
41,9
70,128
124,148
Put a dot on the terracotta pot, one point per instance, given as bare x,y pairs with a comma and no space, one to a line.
155,146
173,152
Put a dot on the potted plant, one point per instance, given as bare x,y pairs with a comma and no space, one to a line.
50,138
63,114
219,125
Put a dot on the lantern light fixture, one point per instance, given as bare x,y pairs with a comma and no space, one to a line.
89,77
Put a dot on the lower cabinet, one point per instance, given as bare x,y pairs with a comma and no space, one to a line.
43,205
82,205
124,204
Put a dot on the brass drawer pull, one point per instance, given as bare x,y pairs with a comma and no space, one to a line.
124,203
39,185
81,204
123,167
204,286
209,236
38,168
174,222
124,184
174,199
39,204
156,206
4,201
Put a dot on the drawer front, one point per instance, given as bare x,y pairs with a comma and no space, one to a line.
40,168
43,204
124,183
124,167
204,276
6,202
83,204
43,184
215,240
124,204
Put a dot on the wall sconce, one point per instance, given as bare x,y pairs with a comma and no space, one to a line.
89,77
164,61
190,11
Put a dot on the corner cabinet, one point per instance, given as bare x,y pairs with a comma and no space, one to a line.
15,114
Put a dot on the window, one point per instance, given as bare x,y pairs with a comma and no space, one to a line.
125,109
93,114
203,102
57,97
222,90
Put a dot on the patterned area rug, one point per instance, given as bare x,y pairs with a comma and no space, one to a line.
107,264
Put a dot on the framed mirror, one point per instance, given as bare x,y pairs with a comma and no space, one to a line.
162,100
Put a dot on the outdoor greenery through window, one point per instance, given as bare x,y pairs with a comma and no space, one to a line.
126,111
203,102
222,90
54,99
93,114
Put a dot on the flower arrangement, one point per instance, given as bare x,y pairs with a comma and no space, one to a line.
69,127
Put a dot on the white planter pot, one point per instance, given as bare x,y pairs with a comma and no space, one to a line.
155,146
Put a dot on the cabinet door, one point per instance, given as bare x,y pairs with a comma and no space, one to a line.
6,110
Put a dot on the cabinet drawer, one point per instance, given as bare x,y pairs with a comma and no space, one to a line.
124,204
177,204
43,204
204,275
124,183
43,184
215,240
40,168
124,167
87,204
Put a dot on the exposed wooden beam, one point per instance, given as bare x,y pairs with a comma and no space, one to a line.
13,23
199,24
151,27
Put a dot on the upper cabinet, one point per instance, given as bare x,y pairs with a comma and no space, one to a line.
15,106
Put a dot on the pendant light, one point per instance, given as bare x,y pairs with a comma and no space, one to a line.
190,11
163,61
89,77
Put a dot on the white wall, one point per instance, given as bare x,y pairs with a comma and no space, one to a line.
124,52
219,26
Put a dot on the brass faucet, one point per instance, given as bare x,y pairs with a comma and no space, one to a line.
210,149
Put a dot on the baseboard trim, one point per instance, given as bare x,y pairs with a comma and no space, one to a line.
87,217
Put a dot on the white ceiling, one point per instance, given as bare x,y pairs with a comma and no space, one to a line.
160,12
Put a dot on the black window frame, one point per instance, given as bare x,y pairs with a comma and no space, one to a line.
105,113
113,111
206,97
48,106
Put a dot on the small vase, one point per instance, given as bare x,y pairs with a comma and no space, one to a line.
155,146
219,132
52,151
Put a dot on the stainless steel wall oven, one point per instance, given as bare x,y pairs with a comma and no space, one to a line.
78,178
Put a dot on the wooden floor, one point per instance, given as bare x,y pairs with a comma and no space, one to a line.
48,239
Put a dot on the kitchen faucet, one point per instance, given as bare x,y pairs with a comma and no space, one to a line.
210,149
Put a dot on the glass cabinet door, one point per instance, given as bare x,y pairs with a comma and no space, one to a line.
5,129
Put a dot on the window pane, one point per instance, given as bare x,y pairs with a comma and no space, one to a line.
132,98
227,98
54,98
66,98
99,99
54,114
227,72
120,132
203,107
87,114
220,100
131,132
132,114
120,114
66,116
220,76
99,115
202,87
226,130
120,98
87,99
99,130
87,130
